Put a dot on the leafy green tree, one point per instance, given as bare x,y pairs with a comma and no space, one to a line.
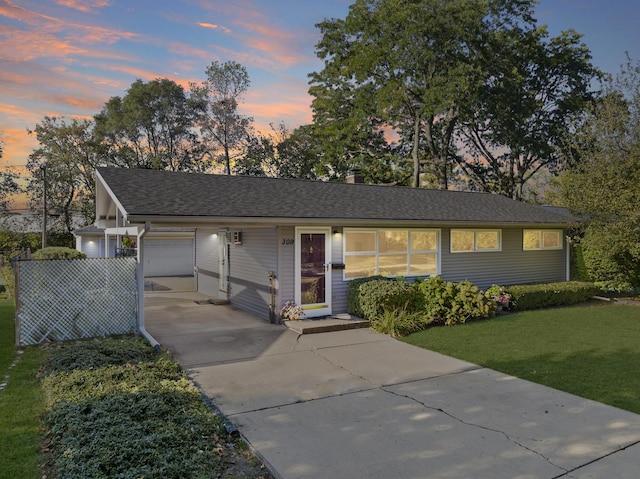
412,65
603,187
152,126
518,121
281,154
215,102
8,186
67,155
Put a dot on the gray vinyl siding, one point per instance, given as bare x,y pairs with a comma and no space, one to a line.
250,263
338,286
512,265
93,246
208,276
286,266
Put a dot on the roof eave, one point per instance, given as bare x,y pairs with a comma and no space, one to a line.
196,221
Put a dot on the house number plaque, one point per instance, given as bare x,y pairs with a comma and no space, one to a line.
287,241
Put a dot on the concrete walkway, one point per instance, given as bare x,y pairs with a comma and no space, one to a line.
357,404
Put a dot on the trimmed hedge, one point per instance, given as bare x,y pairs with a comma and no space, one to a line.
417,305
353,294
534,296
58,252
377,296
116,409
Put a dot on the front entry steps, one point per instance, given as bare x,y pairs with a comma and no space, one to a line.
340,322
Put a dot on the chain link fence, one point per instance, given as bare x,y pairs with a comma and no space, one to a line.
58,300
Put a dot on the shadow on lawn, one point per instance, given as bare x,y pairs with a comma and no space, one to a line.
608,377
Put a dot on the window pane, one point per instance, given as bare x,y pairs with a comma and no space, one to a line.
551,239
360,265
462,240
531,240
393,264
360,241
391,241
424,263
488,240
424,240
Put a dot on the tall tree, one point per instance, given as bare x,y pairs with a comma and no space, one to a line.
281,154
413,65
216,102
8,185
150,127
517,124
603,187
68,156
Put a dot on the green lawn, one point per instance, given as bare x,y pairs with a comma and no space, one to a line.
592,351
7,336
21,404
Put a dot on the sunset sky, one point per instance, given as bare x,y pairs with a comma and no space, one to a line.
68,57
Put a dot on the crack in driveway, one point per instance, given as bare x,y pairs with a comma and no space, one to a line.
479,426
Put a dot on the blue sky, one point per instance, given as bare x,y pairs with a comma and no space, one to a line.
68,57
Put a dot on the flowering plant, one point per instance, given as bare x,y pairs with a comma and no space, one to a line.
291,311
499,295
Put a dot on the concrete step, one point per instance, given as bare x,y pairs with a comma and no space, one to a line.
325,325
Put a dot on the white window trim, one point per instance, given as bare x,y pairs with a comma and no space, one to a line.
542,247
437,251
475,240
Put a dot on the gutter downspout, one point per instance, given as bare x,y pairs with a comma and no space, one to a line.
140,281
567,259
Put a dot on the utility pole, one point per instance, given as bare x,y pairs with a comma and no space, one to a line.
44,205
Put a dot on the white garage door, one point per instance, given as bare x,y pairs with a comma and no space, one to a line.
168,257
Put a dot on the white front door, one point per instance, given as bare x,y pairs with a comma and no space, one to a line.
223,264
313,271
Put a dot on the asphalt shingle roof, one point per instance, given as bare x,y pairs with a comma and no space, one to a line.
151,193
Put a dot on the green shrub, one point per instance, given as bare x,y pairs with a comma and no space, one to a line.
446,302
353,294
534,296
8,280
97,353
58,252
399,322
376,296
119,410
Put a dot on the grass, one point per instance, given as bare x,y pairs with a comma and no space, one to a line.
21,403
7,336
591,351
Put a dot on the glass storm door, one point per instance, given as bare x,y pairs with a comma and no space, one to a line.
223,264
313,271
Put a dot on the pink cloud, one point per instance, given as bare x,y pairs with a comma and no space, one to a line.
84,6
213,26
91,34
188,51
18,145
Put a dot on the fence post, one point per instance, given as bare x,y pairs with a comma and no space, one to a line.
16,299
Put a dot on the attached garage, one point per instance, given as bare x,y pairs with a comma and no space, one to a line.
168,255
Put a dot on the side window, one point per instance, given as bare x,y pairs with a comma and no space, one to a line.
467,241
535,240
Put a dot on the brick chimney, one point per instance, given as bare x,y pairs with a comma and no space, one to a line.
354,176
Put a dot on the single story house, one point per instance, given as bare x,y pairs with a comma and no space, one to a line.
260,242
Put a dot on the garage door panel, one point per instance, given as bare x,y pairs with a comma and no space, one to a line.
168,257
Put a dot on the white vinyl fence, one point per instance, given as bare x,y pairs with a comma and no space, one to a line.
58,300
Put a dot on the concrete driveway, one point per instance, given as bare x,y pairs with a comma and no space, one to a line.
357,404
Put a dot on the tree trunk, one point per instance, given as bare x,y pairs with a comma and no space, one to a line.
415,182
